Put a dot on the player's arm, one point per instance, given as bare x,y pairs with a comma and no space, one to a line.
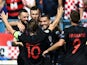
57,19
13,23
81,12
60,3
58,44
18,24
81,8
5,20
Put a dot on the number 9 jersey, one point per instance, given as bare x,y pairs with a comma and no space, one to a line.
75,38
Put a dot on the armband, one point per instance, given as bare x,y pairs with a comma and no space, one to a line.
16,34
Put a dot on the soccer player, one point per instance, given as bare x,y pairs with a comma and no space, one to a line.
44,22
33,41
75,38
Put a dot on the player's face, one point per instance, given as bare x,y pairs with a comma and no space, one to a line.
24,17
44,22
35,14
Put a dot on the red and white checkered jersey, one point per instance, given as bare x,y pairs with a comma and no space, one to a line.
72,5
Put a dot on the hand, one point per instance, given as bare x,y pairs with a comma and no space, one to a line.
17,43
4,16
21,27
44,53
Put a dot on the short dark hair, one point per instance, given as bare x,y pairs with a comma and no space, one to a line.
75,16
22,10
34,8
45,15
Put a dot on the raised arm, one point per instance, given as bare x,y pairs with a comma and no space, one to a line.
57,19
13,23
5,20
81,12
60,3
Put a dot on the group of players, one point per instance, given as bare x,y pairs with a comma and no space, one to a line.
40,36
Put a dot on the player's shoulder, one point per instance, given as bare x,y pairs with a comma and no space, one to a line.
67,28
84,28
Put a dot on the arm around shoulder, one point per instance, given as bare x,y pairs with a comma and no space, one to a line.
58,44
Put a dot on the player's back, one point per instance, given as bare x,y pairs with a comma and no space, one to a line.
75,37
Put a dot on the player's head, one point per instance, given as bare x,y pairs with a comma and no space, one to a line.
44,21
75,16
35,12
32,25
23,16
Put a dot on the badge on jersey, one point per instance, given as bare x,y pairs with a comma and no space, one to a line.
47,31
62,34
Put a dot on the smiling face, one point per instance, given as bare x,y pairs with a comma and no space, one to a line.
44,22
23,16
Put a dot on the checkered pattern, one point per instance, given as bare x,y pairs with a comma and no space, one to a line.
13,52
72,5
84,15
